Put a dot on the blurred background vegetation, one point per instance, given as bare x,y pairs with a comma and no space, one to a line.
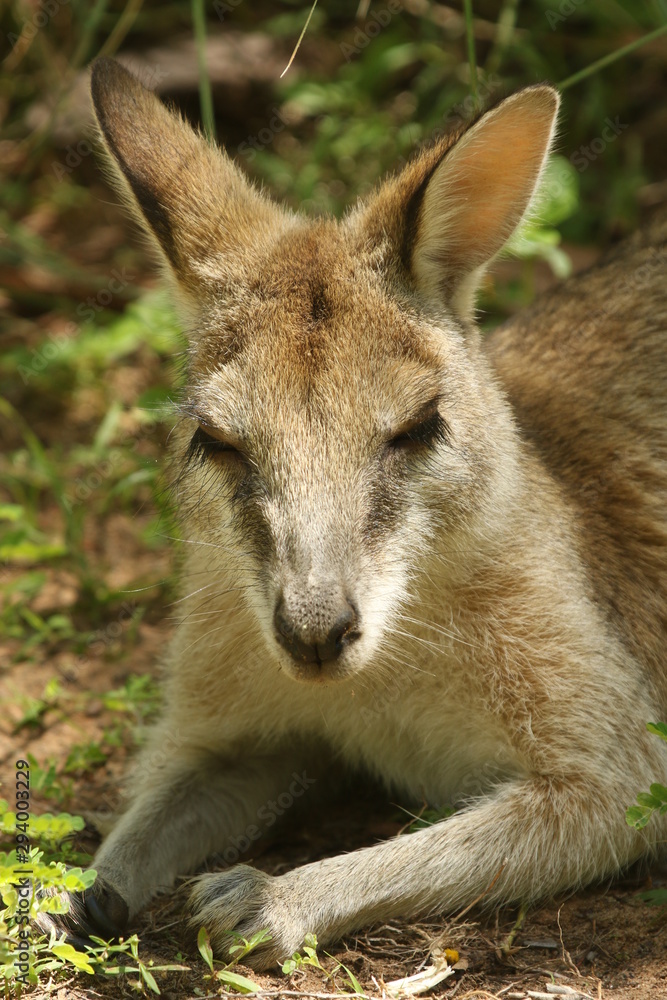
87,339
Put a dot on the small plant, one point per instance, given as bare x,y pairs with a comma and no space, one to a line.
139,696
85,757
35,708
100,952
653,802
309,957
427,817
354,982
23,871
244,946
49,782
25,954
232,980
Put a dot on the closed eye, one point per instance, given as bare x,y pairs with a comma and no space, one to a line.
425,433
204,446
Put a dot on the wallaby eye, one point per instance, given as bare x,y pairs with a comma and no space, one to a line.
425,433
204,446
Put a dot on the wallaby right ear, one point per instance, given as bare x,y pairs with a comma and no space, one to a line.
453,207
198,206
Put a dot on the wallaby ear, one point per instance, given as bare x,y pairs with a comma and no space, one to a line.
195,203
454,207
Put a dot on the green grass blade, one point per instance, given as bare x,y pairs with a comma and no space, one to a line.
595,67
205,93
296,47
472,59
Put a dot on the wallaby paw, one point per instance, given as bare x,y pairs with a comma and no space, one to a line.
100,910
242,901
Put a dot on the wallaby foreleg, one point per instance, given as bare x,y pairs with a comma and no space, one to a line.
192,805
531,839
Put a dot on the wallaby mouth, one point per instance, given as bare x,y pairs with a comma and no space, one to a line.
316,639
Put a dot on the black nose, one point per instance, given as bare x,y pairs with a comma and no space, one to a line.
308,645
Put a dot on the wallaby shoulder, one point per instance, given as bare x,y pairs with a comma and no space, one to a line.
585,370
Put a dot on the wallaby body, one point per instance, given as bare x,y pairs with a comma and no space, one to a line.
434,557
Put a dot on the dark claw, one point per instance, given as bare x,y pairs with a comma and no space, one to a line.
107,909
100,910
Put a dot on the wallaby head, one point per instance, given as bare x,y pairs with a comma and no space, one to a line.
338,415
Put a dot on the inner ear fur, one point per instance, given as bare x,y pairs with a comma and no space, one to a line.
194,202
452,209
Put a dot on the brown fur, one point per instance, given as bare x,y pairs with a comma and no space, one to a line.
603,433
432,556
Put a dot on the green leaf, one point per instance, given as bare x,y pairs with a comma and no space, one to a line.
148,978
74,957
654,897
558,196
658,728
637,816
11,512
204,945
289,967
237,982
88,877
648,800
658,791
356,985
260,937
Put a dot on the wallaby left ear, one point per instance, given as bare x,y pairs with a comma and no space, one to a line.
453,208
479,193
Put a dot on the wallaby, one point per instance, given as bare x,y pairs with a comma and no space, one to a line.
437,557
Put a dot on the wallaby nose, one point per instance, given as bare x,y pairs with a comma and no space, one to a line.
312,645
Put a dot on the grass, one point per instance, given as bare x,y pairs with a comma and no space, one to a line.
86,377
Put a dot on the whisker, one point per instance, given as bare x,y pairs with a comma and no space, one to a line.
436,628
